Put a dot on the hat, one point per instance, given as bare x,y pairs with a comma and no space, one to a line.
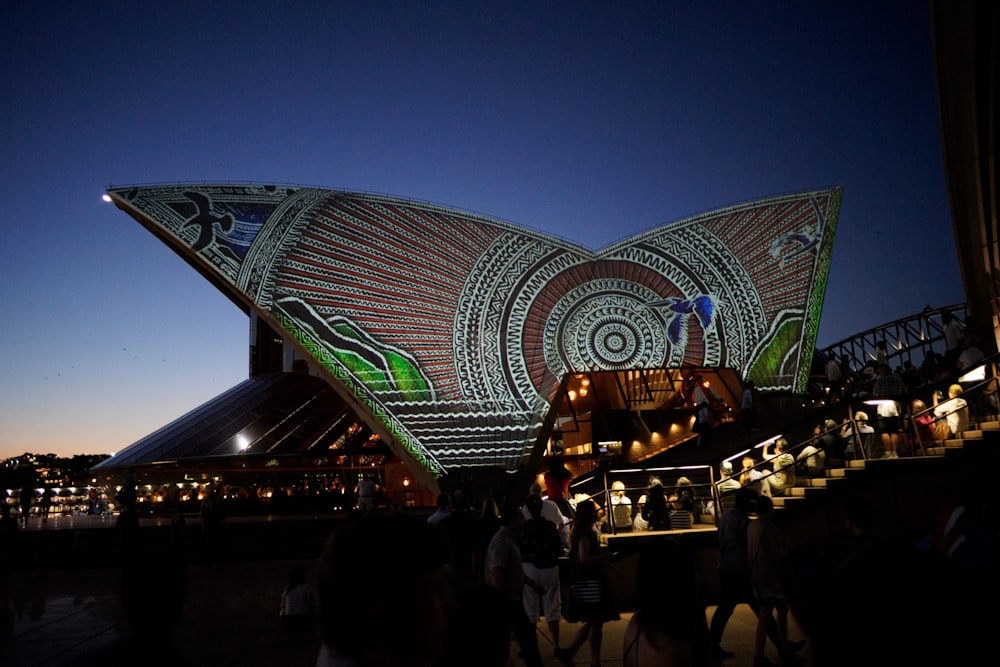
860,416
727,467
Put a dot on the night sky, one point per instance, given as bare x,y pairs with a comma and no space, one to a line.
592,121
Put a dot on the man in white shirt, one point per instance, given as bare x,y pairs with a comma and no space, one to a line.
621,508
551,512
727,484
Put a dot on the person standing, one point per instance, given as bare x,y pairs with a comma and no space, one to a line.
890,388
505,572
540,551
211,525
590,597
551,512
881,354
26,498
8,540
733,569
748,406
768,576
702,423
46,503
365,493
834,379
952,340
442,511
557,479
621,508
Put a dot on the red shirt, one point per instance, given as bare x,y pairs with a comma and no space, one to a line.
557,488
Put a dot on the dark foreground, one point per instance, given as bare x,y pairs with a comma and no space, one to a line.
56,614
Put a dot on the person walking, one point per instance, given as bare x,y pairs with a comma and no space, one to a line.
540,551
505,572
769,578
590,597
734,574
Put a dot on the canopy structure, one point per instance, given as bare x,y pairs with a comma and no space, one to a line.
452,334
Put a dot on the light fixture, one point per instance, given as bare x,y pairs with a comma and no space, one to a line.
977,374
879,401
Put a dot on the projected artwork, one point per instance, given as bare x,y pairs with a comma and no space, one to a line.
453,330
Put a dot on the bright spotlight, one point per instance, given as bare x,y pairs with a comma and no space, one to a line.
106,197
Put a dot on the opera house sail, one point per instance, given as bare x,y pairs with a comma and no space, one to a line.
451,332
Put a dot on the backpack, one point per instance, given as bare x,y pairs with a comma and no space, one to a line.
540,544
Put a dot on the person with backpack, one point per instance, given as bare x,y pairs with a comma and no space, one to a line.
540,552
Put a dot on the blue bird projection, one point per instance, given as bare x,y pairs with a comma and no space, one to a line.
678,312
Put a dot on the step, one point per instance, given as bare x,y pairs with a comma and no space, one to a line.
956,442
836,472
812,482
787,501
856,463
989,426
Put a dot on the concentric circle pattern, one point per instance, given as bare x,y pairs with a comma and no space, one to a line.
604,325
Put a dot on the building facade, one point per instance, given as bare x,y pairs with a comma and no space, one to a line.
453,334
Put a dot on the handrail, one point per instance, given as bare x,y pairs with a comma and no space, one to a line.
978,395
702,478
903,337
844,439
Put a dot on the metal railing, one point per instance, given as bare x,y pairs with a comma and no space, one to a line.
906,339
840,438
616,490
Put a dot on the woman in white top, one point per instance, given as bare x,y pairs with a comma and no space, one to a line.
783,468
955,410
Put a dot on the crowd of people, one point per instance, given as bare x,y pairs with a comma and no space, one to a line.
430,615
474,580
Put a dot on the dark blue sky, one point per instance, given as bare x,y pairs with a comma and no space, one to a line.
592,121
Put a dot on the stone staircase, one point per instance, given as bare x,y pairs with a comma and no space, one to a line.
812,494
986,430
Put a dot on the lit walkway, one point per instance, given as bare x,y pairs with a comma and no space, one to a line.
230,618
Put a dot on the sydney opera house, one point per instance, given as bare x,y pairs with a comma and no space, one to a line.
426,342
